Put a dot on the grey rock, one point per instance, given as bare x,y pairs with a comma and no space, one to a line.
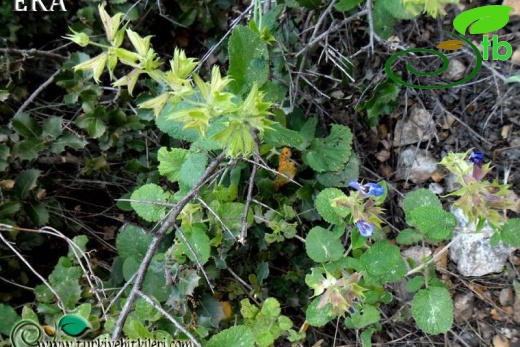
418,167
418,127
473,252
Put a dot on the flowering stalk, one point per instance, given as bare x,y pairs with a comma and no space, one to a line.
363,205
479,200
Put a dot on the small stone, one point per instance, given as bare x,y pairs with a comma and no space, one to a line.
506,296
455,71
463,305
516,310
436,188
470,339
500,341
485,329
416,165
451,183
417,128
416,254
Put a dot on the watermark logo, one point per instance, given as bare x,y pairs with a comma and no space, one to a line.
39,5
28,333
482,20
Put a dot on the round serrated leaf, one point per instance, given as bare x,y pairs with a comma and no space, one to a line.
415,284
318,317
369,315
397,9
418,198
330,153
382,259
148,210
328,208
408,236
510,233
192,169
432,310
435,223
199,243
145,311
133,242
130,267
322,246
341,177
9,318
170,162
239,336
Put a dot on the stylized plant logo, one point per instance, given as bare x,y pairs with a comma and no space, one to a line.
28,333
482,20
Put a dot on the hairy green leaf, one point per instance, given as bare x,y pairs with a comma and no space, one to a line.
322,246
327,204
384,259
415,284
419,198
342,177
434,222
192,169
29,148
199,242
238,335
149,194
94,125
397,9
408,236
132,241
52,128
9,318
346,5
64,280
248,60
170,162
318,317
368,315
432,309
510,232
331,153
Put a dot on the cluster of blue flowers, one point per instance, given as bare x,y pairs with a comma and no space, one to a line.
365,228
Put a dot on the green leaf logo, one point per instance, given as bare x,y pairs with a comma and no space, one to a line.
482,19
73,325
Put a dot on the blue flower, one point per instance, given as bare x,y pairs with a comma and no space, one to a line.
365,229
374,189
355,185
476,158
352,309
369,189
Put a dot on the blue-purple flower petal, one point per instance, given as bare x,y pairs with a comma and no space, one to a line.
355,185
476,158
365,229
374,189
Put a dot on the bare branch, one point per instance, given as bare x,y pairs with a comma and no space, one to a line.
208,174
34,52
169,317
36,92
